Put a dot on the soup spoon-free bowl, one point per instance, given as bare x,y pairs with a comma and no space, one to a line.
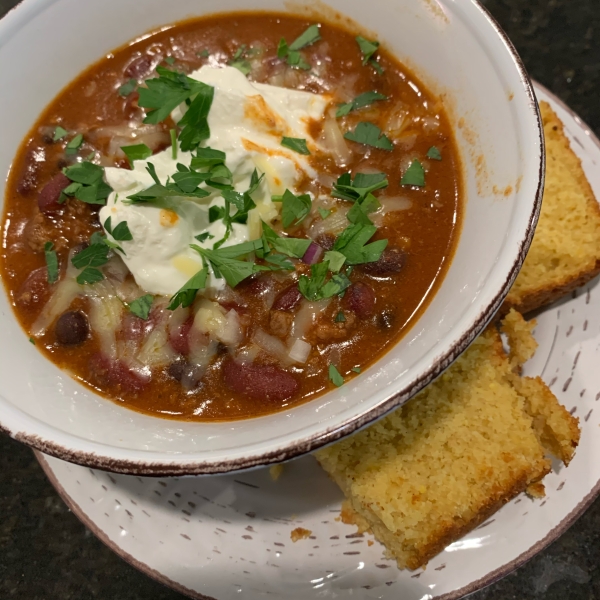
458,51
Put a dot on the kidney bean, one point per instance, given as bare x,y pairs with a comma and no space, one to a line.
288,299
259,381
360,298
48,198
108,372
35,289
179,338
135,329
392,260
71,328
139,67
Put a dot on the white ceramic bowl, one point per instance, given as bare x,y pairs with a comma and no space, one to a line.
456,49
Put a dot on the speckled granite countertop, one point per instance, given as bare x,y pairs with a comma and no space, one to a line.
47,554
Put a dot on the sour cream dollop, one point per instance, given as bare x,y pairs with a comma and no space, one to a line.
247,121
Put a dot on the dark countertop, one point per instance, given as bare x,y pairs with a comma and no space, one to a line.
47,554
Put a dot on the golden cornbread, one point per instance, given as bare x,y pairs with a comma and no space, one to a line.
440,465
565,252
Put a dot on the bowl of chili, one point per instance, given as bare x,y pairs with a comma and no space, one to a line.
243,235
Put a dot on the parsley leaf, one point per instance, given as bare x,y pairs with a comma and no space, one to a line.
340,318
370,135
296,144
187,294
335,259
95,255
203,54
360,209
355,369
352,243
368,49
294,208
360,101
238,61
88,185
120,233
291,52
59,133
310,36
74,144
204,236
89,275
128,88
315,288
324,212
335,377
414,175
141,306
207,157
136,152
363,184
51,262
173,136
170,60
434,153
32,341
294,247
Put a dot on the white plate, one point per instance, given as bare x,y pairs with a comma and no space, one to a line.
226,536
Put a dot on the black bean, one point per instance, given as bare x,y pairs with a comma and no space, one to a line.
177,368
392,260
72,328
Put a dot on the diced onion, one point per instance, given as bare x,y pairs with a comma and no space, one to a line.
299,351
272,345
306,317
157,351
247,354
313,254
335,223
334,142
105,320
393,203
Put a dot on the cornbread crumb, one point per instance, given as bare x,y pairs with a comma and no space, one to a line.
275,471
300,534
565,252
536,490
521,343
440,465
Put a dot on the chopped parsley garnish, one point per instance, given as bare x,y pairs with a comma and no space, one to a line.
187,294
207,157
362,208
316,287
87,183
184,185
324,212
74,144
89,276
370,135
364,183
239,60
170,60
226,263
32,341
340,318
59,133
51,262
291,52
169,90
335,377
434,153
203,54
120,233
368,49
294,208
335,259
136,152
173,134
414,175
141,306
89,259
361,101
296,144
352,243
294,247
355,369
128,88
204,236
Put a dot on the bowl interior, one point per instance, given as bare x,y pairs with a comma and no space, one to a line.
456,51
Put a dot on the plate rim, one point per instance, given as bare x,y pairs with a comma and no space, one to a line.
470,588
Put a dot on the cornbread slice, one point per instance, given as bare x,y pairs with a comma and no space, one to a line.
440,465
565,252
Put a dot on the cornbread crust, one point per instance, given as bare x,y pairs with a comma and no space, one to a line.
565,253
439,466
